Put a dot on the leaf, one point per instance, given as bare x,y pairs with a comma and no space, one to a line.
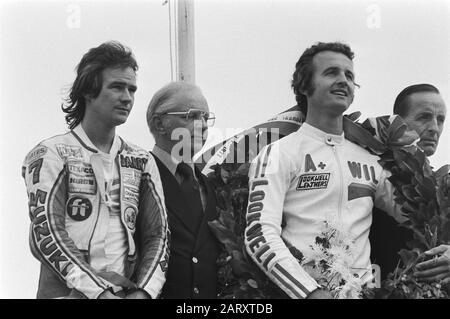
239,265
243,169
227,219
399,135
443,171
408,257
224,174
353,116
224,235
445,233
409,192
252,283
357,134
396,130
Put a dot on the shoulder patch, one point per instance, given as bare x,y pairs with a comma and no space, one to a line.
69,151
36,153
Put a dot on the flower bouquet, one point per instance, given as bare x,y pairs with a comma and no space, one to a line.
329,262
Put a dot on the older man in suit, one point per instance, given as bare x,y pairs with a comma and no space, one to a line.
424,110
178,117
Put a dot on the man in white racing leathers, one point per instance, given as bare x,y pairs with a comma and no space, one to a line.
314,175
96,204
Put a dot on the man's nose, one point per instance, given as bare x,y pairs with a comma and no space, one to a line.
126,95
433,126
341,76
204,122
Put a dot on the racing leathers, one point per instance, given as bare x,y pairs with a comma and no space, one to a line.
295,185
69,210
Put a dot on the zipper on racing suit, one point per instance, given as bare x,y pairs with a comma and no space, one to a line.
341,180
93,230
100,196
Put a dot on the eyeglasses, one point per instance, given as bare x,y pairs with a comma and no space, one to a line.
194,114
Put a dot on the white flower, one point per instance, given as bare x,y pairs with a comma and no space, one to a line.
350,290
341,254
342,269
315,252
315,272
330,261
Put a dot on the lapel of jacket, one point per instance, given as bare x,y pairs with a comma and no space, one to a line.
210,212
175,203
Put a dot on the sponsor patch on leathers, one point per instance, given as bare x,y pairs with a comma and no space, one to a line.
69,151
81,178
131,177
130,217
35,154
79,208
313,181
131,195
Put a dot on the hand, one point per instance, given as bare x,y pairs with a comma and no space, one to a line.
137,294
108,295
320,294
436,269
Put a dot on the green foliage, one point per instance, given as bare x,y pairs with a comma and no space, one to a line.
424,197
239,276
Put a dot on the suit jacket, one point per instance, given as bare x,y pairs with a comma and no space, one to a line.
387,238
192,270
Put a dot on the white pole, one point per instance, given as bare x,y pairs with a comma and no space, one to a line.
186,45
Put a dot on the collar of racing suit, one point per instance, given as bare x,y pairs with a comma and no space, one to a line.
330,139
81,135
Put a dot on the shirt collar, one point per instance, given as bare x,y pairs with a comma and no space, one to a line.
168,160
320,135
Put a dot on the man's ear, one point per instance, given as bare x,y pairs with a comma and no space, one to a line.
158,125
302,90
88,97
305,90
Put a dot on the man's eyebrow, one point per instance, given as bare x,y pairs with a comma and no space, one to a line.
333,68
121,82
424,112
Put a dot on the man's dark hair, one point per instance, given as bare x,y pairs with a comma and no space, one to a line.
401,108
89,78
302,77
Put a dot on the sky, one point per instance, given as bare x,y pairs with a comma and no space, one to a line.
245,56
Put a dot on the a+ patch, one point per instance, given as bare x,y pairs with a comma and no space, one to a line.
322,165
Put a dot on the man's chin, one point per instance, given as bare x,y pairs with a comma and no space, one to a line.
120,120
428,148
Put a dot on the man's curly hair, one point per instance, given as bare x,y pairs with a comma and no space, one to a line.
302,77
89,80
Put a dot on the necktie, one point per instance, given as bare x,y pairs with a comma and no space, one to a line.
190,189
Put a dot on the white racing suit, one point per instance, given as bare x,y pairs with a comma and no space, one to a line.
297,183
67,210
